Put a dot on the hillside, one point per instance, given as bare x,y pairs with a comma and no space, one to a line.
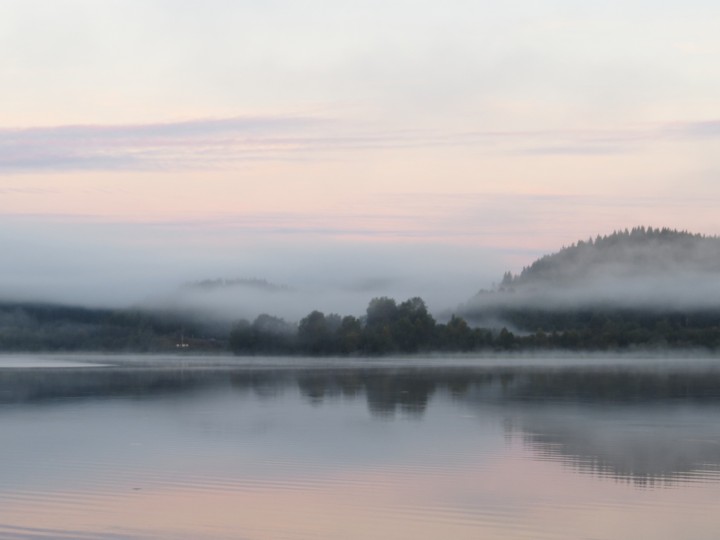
238,283
637,253
644,287
642,268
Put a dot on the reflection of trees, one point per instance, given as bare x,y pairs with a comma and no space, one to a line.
386,392
639,425
611,385
264,384
318,385
409,394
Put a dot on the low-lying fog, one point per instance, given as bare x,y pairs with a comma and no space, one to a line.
101,266
671,291
73,266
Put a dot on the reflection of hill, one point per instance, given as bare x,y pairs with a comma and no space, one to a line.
640,425
632,443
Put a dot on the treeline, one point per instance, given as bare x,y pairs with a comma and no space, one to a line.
407,327
51,327
386,328
606,329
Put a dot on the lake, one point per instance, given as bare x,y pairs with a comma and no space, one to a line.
182,447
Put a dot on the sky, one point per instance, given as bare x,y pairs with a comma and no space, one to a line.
397,147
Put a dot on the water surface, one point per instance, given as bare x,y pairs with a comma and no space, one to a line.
189,447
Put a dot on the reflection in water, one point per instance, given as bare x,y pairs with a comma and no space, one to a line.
640,424
648,427
630,443
407,452
386,392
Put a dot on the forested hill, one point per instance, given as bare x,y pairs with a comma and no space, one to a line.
642,267
630,253
643,288
639,287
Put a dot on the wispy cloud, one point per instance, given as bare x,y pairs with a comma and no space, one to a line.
695,130
213,143
494,220
172,145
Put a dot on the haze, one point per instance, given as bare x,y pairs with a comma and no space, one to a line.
345,150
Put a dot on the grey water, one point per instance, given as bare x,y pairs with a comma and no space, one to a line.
181,447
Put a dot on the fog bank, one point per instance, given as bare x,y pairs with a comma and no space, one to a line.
124,265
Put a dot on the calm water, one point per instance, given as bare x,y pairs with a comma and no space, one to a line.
437,449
